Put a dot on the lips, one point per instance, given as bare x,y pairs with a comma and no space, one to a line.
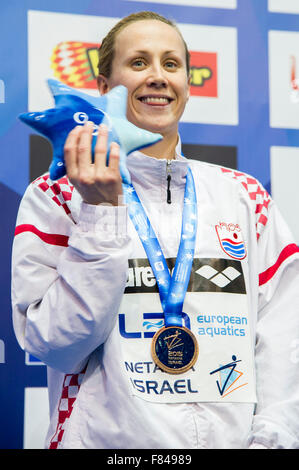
155,100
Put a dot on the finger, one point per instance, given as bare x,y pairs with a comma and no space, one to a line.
100,151
84,146
114,156
70,150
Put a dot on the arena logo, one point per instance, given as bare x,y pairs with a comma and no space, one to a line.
76,64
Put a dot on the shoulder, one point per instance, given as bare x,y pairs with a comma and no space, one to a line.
246,183
60,191
249,188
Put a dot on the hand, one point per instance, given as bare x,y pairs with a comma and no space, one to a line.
96,182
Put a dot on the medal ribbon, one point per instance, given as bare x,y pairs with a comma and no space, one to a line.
172,289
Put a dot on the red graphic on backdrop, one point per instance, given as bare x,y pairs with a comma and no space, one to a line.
204,74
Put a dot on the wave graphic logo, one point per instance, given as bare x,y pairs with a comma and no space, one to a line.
150,324
231,240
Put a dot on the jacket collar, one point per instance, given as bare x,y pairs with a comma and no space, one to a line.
149,176
151,171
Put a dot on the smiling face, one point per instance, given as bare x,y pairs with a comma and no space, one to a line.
150,60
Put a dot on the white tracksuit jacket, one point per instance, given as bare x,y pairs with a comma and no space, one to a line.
85,302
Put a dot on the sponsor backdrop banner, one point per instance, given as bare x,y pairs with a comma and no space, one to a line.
243,113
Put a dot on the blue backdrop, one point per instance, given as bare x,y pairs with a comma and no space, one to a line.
252,137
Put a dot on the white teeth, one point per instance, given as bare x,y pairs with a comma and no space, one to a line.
152,99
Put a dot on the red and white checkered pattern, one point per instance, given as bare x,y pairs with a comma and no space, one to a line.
70,389
256,193
59,191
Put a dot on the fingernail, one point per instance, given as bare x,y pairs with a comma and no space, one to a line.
103,127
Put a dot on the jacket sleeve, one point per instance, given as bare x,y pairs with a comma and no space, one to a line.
67,278
276,420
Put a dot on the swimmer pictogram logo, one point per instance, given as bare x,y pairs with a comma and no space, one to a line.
228,377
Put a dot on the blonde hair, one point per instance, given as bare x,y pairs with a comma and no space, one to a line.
106,49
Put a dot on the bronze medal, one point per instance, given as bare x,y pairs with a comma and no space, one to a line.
174,349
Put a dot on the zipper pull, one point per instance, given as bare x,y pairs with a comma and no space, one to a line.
168,171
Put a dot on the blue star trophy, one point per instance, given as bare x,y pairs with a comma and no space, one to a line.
73,108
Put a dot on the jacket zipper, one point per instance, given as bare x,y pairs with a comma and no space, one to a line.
168,177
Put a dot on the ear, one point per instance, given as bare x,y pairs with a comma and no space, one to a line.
102,84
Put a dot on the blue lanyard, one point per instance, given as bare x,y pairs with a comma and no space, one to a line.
172,289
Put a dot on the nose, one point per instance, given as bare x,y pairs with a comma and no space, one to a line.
157,77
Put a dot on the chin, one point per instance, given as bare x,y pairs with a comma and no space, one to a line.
156,128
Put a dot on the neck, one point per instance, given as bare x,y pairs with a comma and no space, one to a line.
163,149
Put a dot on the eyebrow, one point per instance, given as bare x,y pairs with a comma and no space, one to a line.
147,52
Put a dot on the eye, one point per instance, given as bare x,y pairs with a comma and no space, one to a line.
138,63
171,64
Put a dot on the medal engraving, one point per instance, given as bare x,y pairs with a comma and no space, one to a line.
174,349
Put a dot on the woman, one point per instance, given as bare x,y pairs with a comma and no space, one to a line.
99,265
